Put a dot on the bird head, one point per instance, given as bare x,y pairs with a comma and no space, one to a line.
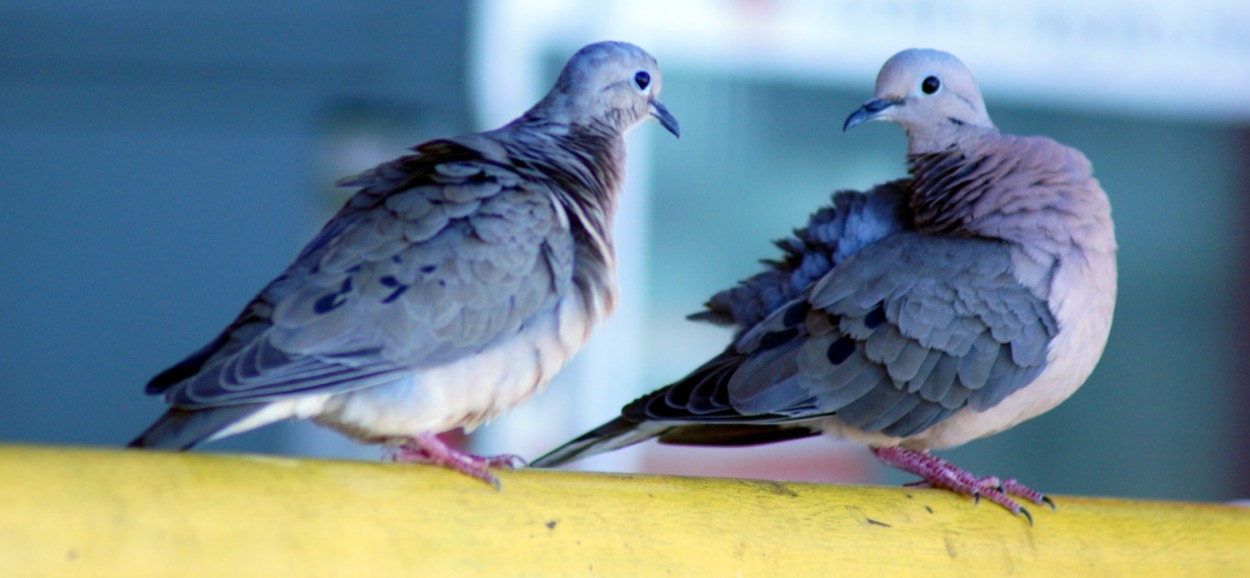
927,92
610,86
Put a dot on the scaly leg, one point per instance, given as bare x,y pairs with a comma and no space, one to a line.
939,473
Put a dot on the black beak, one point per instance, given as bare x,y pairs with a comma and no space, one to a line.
869,111
667,120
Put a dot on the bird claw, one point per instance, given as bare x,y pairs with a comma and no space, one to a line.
1015,488
502,461
938,473
996,495
427,448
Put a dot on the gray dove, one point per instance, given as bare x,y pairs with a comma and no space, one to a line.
923,314
450,288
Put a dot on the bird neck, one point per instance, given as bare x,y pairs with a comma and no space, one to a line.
586,162
585,165
591,207
1027,190
930,138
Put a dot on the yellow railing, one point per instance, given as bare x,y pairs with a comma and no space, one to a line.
80,512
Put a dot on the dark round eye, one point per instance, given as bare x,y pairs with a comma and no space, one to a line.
642,79
930,85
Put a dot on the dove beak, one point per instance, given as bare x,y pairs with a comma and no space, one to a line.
667,120
870,111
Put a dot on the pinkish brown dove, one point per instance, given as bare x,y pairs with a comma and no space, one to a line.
923,314
450,288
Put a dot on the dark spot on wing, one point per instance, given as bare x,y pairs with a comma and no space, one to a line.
354,354
795,314
328,303
395,294
840,350
428,269
875,317
332,301
776,338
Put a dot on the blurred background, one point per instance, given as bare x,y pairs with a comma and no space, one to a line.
162,161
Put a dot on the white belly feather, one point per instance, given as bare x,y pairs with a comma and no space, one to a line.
465,393
468,392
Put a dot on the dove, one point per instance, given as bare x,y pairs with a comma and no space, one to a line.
448,289
925,313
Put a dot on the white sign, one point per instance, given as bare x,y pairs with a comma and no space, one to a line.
1161,57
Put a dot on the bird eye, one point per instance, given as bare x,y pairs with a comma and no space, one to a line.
930,85
642,79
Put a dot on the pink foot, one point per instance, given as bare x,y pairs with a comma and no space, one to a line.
939,473
427,448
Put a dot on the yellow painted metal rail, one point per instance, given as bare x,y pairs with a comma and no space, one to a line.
78,512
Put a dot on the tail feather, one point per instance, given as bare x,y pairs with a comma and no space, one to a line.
613,435
621,432
182,429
